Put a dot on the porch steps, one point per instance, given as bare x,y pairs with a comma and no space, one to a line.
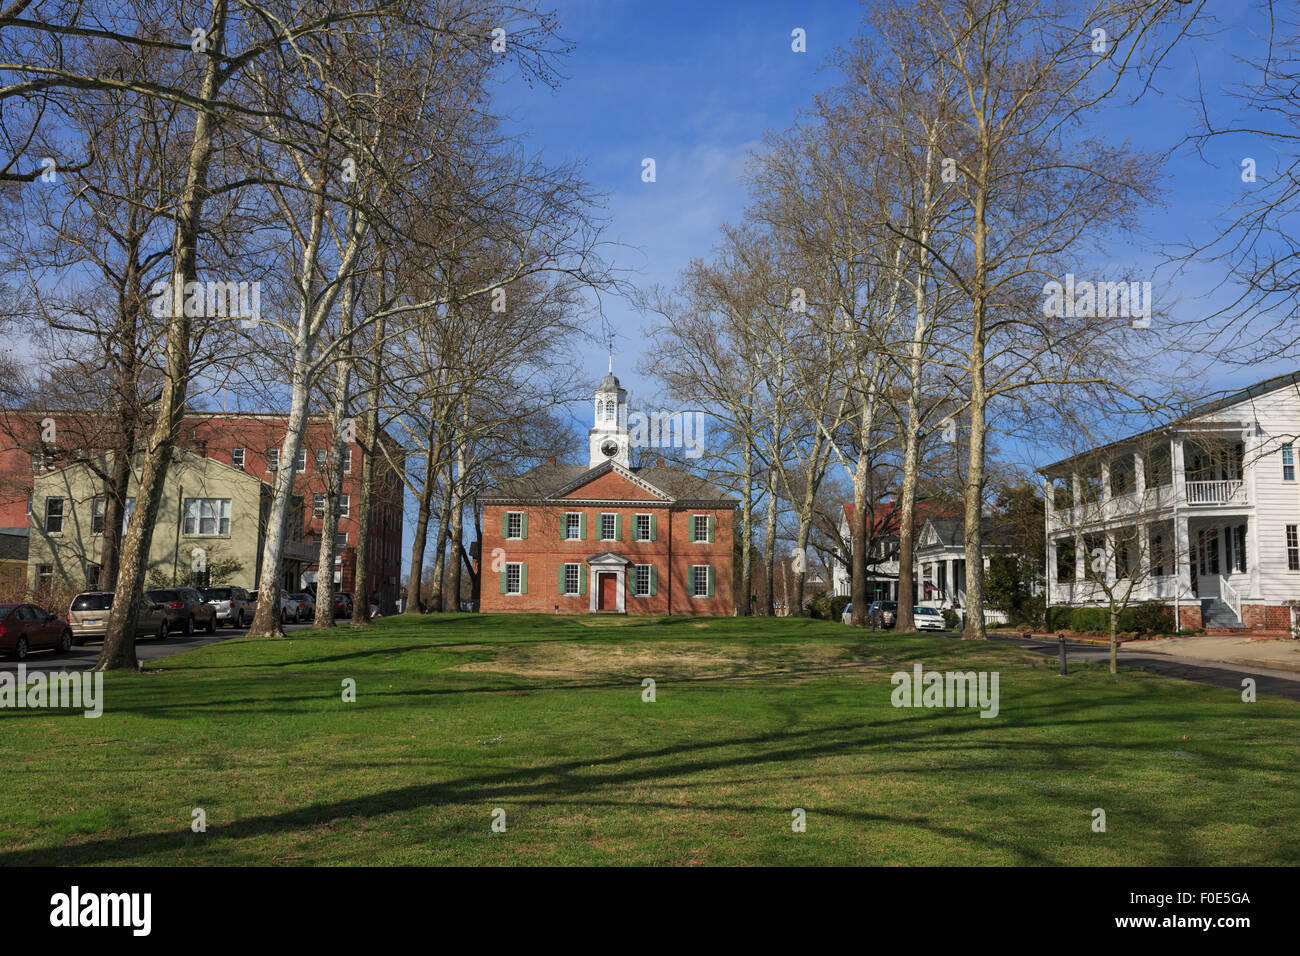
1218,615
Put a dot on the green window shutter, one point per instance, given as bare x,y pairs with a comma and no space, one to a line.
523,579
523,526
505,523
502,576
582,526
618,527
562,567
654,580
582,580
710,535
654,527
710,577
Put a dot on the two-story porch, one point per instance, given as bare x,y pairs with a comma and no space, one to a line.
1166,516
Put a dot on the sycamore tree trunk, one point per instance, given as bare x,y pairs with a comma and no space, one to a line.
974,629
266,620
334,482
769,551
438,593
118,651
458,482
414,599
747,533
369,443
1114,639
858,526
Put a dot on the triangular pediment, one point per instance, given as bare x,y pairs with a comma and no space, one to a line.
610,481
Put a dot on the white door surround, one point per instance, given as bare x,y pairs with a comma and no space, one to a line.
607,562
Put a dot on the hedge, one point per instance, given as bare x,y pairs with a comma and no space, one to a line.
1150,617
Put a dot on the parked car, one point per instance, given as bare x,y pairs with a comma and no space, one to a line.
88,617
185,609
342,605
25,627
288,607
882,614
927,618
235,607
306,606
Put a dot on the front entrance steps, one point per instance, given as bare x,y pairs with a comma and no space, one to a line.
1218,615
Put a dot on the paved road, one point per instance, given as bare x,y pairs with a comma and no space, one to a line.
84,657
1278,683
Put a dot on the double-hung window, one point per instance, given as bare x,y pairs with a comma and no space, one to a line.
701,580
573,526
207,516
701,528
645,527
514,525
1288,462
237,457
608,527
1292,548
643,580
54,516
97,506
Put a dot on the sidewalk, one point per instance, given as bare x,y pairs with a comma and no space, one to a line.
1282,655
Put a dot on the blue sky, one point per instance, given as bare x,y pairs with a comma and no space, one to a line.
696,85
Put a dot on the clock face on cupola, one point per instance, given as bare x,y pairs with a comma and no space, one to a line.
608,435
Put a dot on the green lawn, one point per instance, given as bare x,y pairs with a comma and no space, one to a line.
543,717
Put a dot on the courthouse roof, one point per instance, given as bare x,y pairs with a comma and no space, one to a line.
553,482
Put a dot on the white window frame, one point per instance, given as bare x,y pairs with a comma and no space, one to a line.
237,457
343,543
695,529
573,522
637,569
300,463
317,505
1288,462
695,580
273,459
60,516
347,461
98,506
192,519
514,533
613,526
574,571
637,530
322,458
515,568
1293,547
345,506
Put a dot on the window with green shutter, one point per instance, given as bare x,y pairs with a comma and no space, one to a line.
710,580
654,526
712,521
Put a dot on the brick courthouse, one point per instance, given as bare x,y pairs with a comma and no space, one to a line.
605,537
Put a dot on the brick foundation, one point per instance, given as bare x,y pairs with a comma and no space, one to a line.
1266,617
1189,616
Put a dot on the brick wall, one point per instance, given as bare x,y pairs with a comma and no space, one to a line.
672,553
1265,617
1189,616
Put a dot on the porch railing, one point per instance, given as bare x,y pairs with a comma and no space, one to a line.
1230,596
1216,492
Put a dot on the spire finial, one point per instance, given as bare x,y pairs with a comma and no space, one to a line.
611,355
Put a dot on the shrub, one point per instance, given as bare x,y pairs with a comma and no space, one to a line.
837,604
1149,617
1058,617
950,619
1086,619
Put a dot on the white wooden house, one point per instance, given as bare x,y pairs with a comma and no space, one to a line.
1202,514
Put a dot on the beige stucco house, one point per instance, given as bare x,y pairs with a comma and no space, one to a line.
211,516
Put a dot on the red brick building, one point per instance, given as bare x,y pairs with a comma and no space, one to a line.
605,537
250,441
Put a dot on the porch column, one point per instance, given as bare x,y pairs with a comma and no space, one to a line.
1252,558
951,572
1139,477
1080,558
1050,571
1144,559
1178,472
1182,556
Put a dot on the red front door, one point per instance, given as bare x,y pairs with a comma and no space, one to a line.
608,592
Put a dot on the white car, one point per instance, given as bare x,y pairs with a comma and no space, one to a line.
289,607
927,618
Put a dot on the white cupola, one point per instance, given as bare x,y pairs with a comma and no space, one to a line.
608,436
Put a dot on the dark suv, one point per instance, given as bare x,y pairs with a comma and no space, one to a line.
882,614
185,609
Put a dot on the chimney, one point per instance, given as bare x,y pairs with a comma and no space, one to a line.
551,460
